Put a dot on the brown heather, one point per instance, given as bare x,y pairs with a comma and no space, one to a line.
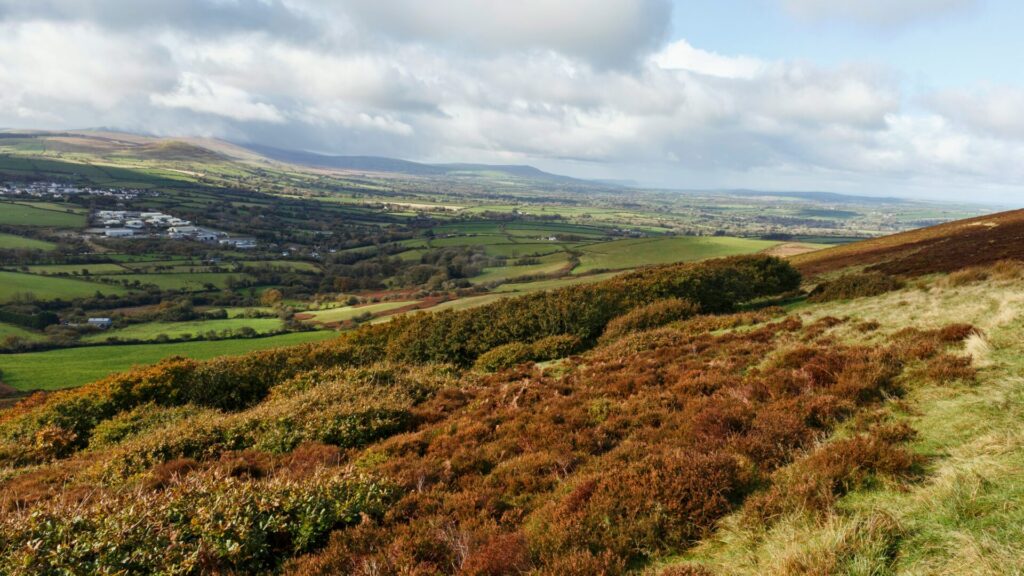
369,455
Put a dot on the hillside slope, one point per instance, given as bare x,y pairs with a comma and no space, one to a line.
669,421
942,248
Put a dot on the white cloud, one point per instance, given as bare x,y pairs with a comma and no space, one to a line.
604,32
508,90
210,97
680,55
994,111
884,13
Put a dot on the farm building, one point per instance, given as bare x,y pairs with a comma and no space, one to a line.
101,323
118,233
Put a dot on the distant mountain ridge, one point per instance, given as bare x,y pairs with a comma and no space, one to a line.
395,165
831,197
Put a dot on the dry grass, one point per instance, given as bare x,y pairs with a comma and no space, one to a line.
966,516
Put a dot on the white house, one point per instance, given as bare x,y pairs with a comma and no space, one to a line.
118,233
102,323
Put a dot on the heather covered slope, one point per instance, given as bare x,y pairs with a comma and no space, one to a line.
963,512
943,248
667,421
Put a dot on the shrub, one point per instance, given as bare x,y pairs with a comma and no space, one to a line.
516,353
555,347
650,316
139,420
662,502
855,286
503,357
813,484
945,368
200,523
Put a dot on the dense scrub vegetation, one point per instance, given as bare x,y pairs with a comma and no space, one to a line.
855,286
380,453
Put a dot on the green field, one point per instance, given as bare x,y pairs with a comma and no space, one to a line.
349,312
25,215
13,284
12,242
71,367
12,330
76,269
519,250
549,264
186,281
526,287
151,330
623,254
467,303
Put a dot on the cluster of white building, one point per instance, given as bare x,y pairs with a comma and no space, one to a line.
137,220
61,190
128,224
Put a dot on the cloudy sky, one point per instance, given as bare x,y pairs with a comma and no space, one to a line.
910,97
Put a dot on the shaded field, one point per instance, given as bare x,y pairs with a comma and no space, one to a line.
71,367
622,254
24,215
49,288
12,330
12,242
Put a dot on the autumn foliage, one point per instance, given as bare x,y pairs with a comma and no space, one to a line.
383,452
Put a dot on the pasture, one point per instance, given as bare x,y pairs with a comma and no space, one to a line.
26,214
346,313
55,369
153,330
14,284
624,254
550,264
12,242
77,269
181,281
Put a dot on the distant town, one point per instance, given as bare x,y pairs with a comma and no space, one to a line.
64,190
128,223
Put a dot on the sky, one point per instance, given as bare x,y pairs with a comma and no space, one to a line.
915,98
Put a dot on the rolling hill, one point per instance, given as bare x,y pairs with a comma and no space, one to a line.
943,248
670,421
394,165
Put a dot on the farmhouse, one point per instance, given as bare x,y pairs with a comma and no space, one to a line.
101,323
